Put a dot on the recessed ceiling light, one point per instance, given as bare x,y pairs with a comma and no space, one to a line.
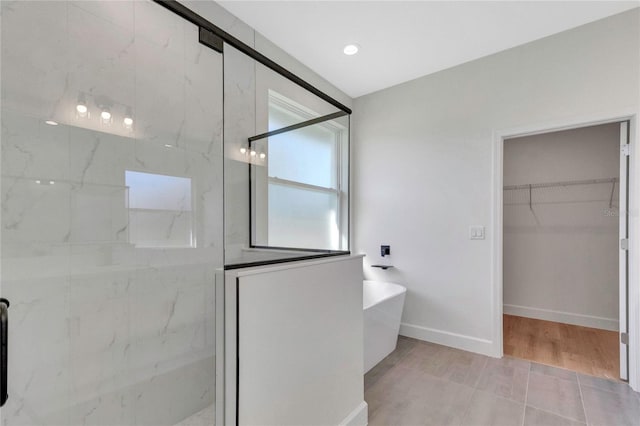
106,115
351,49
51,123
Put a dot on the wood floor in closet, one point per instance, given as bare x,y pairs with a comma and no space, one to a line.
582,349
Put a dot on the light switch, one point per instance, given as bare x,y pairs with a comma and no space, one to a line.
476,233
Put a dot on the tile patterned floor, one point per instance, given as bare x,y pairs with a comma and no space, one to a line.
422,383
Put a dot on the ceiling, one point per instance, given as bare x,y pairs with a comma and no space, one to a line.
403,40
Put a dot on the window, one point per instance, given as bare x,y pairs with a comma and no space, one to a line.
306,202
160,210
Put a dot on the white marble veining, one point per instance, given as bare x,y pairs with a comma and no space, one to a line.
104,331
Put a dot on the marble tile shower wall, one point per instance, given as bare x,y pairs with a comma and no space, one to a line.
102,331
239,124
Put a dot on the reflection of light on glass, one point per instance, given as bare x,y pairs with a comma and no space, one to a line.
128,119
51,123
243,150
351,49
252,153
82,110
263,155
160,210
105,116
168,146
38,182
334,232
51,182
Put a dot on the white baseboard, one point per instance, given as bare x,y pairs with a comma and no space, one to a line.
358,417
563,317
446,338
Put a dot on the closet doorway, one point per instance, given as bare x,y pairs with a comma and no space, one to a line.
564,264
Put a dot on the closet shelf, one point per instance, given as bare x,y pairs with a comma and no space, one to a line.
584,183
556,184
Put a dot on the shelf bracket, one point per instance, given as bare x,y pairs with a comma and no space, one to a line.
613,188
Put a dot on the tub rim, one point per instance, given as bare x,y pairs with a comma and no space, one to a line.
399,290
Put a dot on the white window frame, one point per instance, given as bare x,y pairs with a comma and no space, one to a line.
289,107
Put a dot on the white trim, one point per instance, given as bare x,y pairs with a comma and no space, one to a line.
446,338
358,417
630,114
623,210
302,185
255,270
563,317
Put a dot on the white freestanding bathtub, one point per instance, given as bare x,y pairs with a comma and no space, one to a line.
383,303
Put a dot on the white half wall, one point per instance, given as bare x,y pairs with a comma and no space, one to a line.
560,259
300,346
423,163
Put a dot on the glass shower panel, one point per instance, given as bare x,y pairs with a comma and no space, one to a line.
258,100
279,102
300,195
112,220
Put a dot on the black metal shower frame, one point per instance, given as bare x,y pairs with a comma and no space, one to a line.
214,37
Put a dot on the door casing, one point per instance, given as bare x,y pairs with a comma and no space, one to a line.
633,314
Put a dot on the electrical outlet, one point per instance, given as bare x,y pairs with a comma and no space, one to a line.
385,251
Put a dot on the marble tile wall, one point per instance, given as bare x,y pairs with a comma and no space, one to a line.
102,331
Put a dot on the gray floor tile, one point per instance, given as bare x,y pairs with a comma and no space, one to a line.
489,410
610,408
446,363
421,400
393,386
606,384
536,417
555,395
426,349
560,373
403,347
505,377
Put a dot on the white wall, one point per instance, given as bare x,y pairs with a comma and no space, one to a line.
300,343
422,164
561,259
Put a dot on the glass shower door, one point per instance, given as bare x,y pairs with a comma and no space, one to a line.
111,213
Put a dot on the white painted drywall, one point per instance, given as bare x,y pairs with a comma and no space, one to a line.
300,343
422,164
561,255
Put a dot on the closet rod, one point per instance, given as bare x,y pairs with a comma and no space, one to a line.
530,186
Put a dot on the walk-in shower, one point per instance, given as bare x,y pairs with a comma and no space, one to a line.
115,184
112,221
